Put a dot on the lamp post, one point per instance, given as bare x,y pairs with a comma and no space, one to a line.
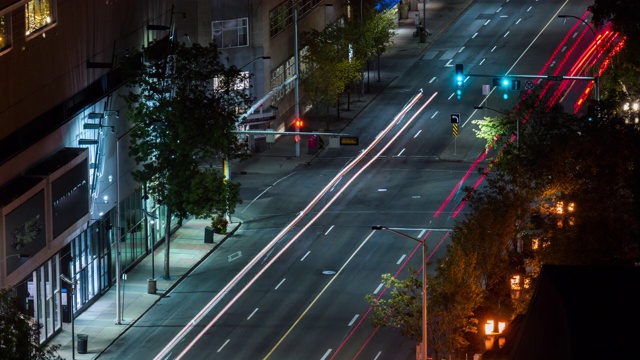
73,283
505,114
596,77
254,60
424,283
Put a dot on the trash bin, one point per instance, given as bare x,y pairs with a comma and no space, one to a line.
82,343
422,34
208,235
151,286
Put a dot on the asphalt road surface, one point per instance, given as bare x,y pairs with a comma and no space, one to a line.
304,296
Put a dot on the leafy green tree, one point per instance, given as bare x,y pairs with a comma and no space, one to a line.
183,109
623,16
622,80
339,53
403,309
568,194
330,69
19,334
454,294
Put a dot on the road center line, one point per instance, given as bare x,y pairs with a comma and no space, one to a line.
319,295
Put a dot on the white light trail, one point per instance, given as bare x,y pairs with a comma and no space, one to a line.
214,301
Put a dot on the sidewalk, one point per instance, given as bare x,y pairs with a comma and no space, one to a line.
188,248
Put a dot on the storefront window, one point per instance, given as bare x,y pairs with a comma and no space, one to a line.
44,291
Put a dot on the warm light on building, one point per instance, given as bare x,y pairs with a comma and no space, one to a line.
491,335
488,327
515,282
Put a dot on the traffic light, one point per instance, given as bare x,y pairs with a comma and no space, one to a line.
297,123
506,84
459,75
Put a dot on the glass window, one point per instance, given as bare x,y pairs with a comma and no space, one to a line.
37,15
282,15
291,71
277,79
304,64
5,31
230,33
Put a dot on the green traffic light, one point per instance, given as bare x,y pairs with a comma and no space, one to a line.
505,96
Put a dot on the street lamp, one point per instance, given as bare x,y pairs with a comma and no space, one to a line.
424,283
505,114
73,283
254,60
596,77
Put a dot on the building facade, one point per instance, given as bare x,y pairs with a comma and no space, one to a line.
68,202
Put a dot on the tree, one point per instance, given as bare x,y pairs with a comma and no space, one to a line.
20,335
454,294
330,68
622,82
403,310
623,16
183,108
568,194
338,54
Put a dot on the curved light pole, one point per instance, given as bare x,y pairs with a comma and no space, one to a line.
596,77
505,114
254,60
424,283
